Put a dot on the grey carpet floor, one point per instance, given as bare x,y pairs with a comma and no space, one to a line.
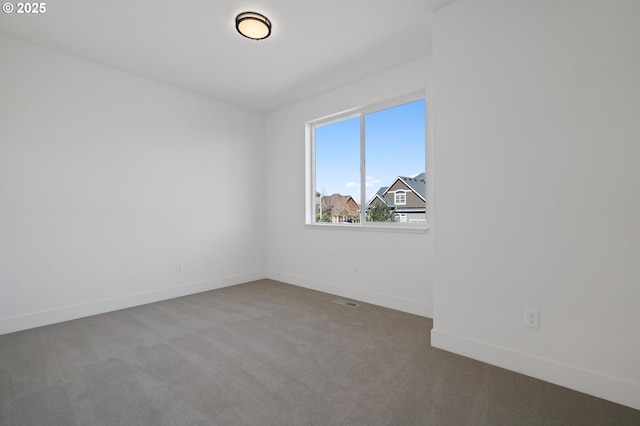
268,353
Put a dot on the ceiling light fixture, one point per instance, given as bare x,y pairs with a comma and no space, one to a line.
253,25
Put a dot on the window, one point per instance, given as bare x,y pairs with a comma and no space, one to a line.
367,165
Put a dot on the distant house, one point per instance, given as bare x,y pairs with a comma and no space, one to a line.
338,208
407,196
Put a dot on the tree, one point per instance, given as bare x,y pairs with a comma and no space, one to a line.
380,212
323,218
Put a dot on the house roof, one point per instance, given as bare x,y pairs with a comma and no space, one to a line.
339,204
417,184
381,195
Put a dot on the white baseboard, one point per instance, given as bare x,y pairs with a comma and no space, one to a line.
590,382
372,297
66,313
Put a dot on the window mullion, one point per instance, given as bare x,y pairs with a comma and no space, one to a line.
363,172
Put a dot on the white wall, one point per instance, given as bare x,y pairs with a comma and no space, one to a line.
537,181
107,180
395,269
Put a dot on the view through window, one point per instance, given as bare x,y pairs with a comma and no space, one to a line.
369,165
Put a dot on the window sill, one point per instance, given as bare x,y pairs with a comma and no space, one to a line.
402,229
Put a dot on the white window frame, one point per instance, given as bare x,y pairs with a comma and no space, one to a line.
402,217
404,197
310,176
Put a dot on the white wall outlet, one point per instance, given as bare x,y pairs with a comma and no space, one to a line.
356,269
532,318
179,268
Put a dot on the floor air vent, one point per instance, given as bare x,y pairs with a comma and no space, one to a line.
346,303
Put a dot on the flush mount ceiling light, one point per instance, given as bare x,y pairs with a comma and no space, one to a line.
253,25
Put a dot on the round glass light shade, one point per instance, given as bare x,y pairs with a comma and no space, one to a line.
253,25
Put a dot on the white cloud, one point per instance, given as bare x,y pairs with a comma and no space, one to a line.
372,181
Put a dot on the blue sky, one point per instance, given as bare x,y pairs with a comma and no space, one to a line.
395,146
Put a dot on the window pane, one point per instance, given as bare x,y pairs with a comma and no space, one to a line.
395,163
337,149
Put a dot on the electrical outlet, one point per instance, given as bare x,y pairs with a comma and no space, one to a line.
532,318
356,269
179,268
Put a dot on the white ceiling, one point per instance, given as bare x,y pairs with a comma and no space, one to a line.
315,45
